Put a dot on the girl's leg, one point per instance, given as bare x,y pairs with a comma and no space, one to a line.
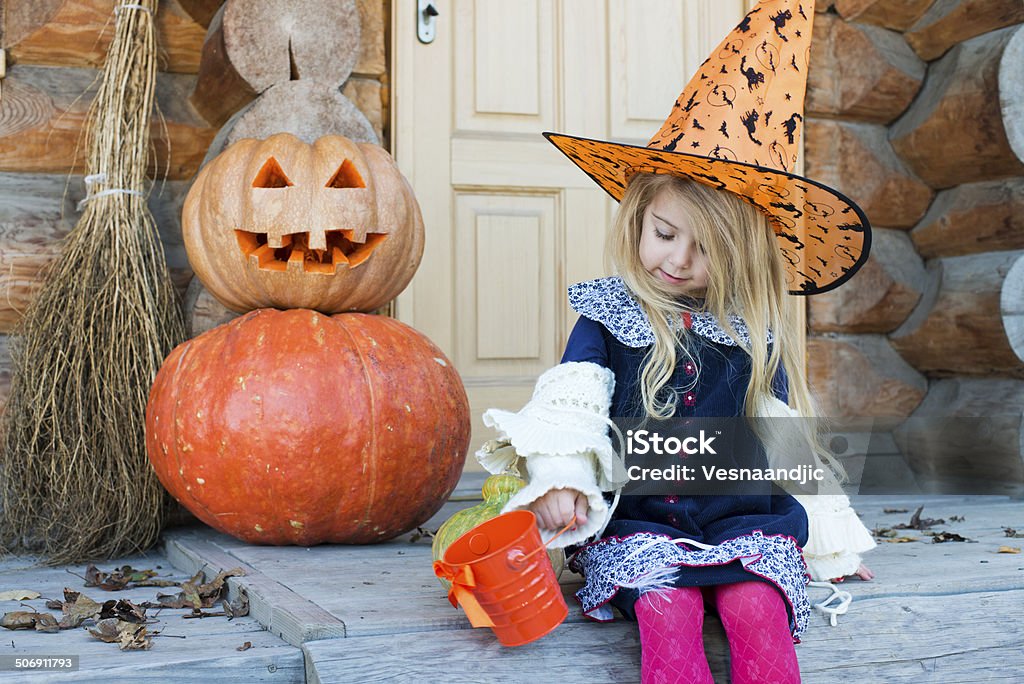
757,625
672,637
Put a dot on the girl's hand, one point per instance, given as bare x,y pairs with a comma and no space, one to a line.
555,509
863,572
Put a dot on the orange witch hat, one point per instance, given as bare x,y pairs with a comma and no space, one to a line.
736,126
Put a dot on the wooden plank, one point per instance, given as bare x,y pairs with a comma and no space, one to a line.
390,588
282,611
190,648
945,638
387,592
592,653
922,638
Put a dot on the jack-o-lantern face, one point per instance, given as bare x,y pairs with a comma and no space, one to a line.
331,226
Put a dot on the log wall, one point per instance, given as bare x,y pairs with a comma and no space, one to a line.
915,110
54,51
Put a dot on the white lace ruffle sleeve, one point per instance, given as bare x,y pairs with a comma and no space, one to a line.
835,536
562,433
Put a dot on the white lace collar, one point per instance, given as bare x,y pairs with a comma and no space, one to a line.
607,301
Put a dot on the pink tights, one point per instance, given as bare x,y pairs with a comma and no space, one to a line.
756,624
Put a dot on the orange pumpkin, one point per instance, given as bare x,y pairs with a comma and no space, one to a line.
331,226
291,427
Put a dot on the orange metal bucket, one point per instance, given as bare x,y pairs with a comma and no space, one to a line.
503,579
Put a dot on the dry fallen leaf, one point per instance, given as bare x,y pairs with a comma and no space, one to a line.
19,619
1010,532
245,647
237,608
45,622
919,523
898,540
124,610
1008,549
118,579
135,639
895,510
942,537
19,595
107,630
77,608
129,636
195,595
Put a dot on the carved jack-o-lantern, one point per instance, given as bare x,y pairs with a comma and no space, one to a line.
331,226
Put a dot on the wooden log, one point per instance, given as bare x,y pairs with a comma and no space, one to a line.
949,22
882,294
202,311
77,33
860,72
1011,306
973,218
1011,93
220,90
898,15
43,110
967,428
201,11
372,59
858,160
307,109
956,130
861,376
371,62
958,327
368,96
255,44
36,214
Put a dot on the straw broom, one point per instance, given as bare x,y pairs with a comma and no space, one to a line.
75,482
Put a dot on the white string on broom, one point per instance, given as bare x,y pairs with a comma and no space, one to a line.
97,178
117,10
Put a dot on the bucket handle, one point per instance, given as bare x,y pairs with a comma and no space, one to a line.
518,557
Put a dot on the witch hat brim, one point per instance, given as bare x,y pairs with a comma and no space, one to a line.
824,236
736,127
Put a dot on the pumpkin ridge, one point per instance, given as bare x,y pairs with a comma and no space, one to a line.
372,480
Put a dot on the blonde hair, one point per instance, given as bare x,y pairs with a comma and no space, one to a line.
745,277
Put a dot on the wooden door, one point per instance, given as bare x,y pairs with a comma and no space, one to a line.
511,222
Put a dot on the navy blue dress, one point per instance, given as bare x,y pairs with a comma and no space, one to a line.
754,537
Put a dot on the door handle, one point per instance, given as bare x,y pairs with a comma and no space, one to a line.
426,21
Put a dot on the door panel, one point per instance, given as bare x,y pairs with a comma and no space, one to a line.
510,222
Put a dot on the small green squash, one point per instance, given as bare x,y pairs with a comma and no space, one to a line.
497,490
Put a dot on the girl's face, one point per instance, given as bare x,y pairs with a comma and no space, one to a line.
668,250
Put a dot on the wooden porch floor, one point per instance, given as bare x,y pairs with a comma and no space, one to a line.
937,612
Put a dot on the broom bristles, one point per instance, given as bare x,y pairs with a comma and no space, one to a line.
75,482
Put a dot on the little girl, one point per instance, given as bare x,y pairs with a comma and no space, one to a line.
712,231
